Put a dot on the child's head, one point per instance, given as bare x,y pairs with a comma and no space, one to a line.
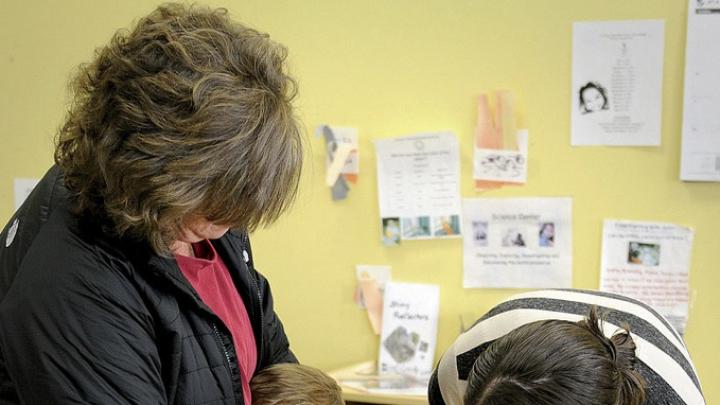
593,97
294,384
557,361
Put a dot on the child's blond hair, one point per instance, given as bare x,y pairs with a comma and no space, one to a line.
294,384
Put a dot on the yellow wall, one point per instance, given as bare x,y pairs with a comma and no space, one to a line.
392,68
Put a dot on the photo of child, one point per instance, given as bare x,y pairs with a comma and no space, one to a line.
446,225
647,254
593,98
513,238
391,231
546,235
480,233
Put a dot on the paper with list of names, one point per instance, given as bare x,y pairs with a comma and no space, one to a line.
419,186
617,82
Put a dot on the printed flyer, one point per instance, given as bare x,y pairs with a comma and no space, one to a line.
419,187
649,261
409,329
517,243
617,82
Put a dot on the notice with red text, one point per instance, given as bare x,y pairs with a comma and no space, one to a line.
649,261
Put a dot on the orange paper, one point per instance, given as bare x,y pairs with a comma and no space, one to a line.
497,132
373,302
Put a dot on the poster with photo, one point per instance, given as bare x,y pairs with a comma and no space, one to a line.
617,72
409,329
517,243
419,187
649,261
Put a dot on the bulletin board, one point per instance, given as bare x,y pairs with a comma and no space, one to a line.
391,68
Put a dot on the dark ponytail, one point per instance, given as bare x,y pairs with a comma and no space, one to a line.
557,362
621,350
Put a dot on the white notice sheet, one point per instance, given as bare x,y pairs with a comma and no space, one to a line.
617,82
648,261
419,186
517,242
701,113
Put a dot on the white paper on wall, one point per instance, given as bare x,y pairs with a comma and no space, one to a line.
419,187
617,82
517,243
649,261
409,330
701,112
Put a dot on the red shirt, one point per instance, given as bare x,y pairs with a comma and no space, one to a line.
211,279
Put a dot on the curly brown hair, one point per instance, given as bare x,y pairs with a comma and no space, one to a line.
188,113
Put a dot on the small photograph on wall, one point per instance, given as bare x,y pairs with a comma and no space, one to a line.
546,234
513,237
593,97
391,231
480,233
646,254
416,228
446,226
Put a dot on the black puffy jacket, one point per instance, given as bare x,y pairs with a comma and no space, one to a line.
86,318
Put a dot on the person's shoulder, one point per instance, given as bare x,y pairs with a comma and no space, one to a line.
578,295
64,260
578,301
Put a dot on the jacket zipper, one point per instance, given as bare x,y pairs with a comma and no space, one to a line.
222,344
262,321
259,304
229,362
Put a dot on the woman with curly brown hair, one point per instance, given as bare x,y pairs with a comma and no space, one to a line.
127,275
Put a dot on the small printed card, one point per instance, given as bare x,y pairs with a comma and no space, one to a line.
409,329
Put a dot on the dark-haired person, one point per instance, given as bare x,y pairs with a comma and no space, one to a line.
567,347
120,279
